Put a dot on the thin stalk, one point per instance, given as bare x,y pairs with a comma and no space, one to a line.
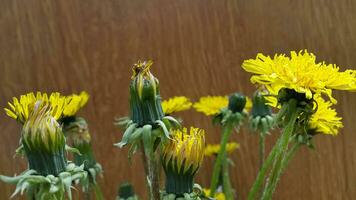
291,117
87,195
262,139
226,179
153,175
145,166
97,191
256,187
284,163
227,130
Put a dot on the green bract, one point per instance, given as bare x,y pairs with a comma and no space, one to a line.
234,113
44,143
261,118
145,100
48,187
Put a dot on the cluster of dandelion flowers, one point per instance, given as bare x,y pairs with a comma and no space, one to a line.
181,157
299,72
145,100
44,142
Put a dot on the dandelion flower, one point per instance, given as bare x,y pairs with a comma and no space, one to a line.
60,106
299,72
214,149
211,105
176,104
325,119
217,196
182,157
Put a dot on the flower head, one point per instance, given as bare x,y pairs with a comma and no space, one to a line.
217,196
42,132
300,73
186,149
176,104
78,131
325,119
211,105
44,142
145,101
181,158
75,103
60,106
214,149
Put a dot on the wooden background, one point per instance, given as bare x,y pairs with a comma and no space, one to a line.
198,47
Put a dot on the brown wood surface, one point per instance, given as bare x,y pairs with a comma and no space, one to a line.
198,47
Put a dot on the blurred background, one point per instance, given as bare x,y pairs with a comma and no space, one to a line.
197,47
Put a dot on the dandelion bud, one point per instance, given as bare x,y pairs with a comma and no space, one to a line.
145,101
237,102
259,106
182,158
78,132
261,119
44,142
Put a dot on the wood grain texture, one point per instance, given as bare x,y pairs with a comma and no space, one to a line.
198,47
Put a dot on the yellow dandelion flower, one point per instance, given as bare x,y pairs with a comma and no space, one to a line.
176,104
211,105
217,196
182,157
60,106
248,105
325,119
299,72
186,149
75,103
42,131
214,149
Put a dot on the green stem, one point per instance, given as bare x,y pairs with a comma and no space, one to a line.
153,175
291,117
145,165
256,187
227,130
226,179
87,195
262,148
98,193
283,165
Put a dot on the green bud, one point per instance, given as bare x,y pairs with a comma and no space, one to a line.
145,101
259,106
237,102
44,142
126,191
78,132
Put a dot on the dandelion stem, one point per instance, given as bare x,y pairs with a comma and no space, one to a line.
262,148
279,171
274,152
227,130
286,137
98,193
226,179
